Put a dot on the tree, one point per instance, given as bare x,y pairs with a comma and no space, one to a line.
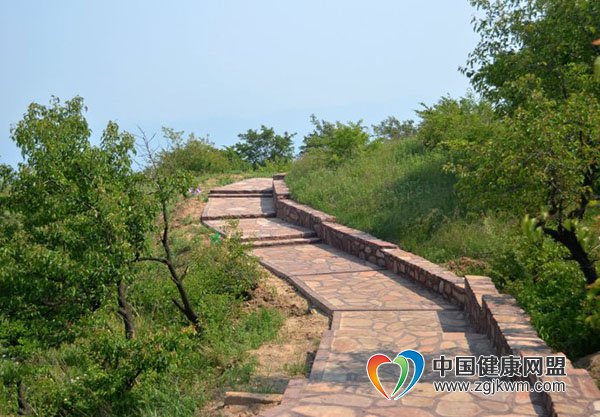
69,228
394,129
534,62
259,147
194,154
336,141
165,184
466,120
535,40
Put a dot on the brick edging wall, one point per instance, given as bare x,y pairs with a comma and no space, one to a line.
497,315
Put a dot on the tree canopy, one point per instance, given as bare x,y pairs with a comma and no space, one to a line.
534,64
259,147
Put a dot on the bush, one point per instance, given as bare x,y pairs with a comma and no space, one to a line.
465,120
197,155
259,148
335,142
394,129
553,292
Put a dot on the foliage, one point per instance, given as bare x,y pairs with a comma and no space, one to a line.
554,294
69,228
537,40
335,142
257,148
74,218
233,273
394,129
534,62
197,155
402,192
464,121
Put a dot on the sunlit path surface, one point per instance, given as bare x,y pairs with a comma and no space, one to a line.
372,311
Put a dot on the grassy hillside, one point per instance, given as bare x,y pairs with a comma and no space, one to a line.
398,191
386,191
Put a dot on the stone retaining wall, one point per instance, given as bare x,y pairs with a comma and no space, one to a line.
497,315
511,333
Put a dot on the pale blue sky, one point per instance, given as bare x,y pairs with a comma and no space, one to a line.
222,67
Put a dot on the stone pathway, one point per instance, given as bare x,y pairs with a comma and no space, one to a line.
372,311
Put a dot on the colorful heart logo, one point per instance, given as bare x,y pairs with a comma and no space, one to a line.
403,360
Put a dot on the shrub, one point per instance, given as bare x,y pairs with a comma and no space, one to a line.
336,142
259,148
394,129
197,155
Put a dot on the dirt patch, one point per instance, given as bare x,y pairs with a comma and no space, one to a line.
290,355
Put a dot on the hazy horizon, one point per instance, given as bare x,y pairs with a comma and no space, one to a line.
219,69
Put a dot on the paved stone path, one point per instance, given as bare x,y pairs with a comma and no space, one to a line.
372,311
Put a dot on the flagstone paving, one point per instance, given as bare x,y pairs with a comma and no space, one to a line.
372,311
312,260
249,186
261,229
241,207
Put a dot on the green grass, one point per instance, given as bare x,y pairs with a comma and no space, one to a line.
390,191
398,191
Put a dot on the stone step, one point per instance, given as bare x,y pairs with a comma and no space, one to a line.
291,236
331,399
252,185
312,236
241,208
239,195
238,216
260,229
286,242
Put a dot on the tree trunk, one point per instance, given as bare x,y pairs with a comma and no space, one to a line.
24,407
186,307
125,311
568,238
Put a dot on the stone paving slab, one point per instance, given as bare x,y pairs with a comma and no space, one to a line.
355,336
312,260
372,290
251,185
327,399
243,207
261,228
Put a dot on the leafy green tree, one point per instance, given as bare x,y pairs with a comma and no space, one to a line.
259,147
394,129
195,154
70,226
336,141
166,184
534,62
537,41
463,121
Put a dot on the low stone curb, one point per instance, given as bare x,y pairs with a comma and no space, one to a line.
316,300
249,398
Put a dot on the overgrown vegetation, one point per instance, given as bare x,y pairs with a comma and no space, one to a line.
504,184
107,309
